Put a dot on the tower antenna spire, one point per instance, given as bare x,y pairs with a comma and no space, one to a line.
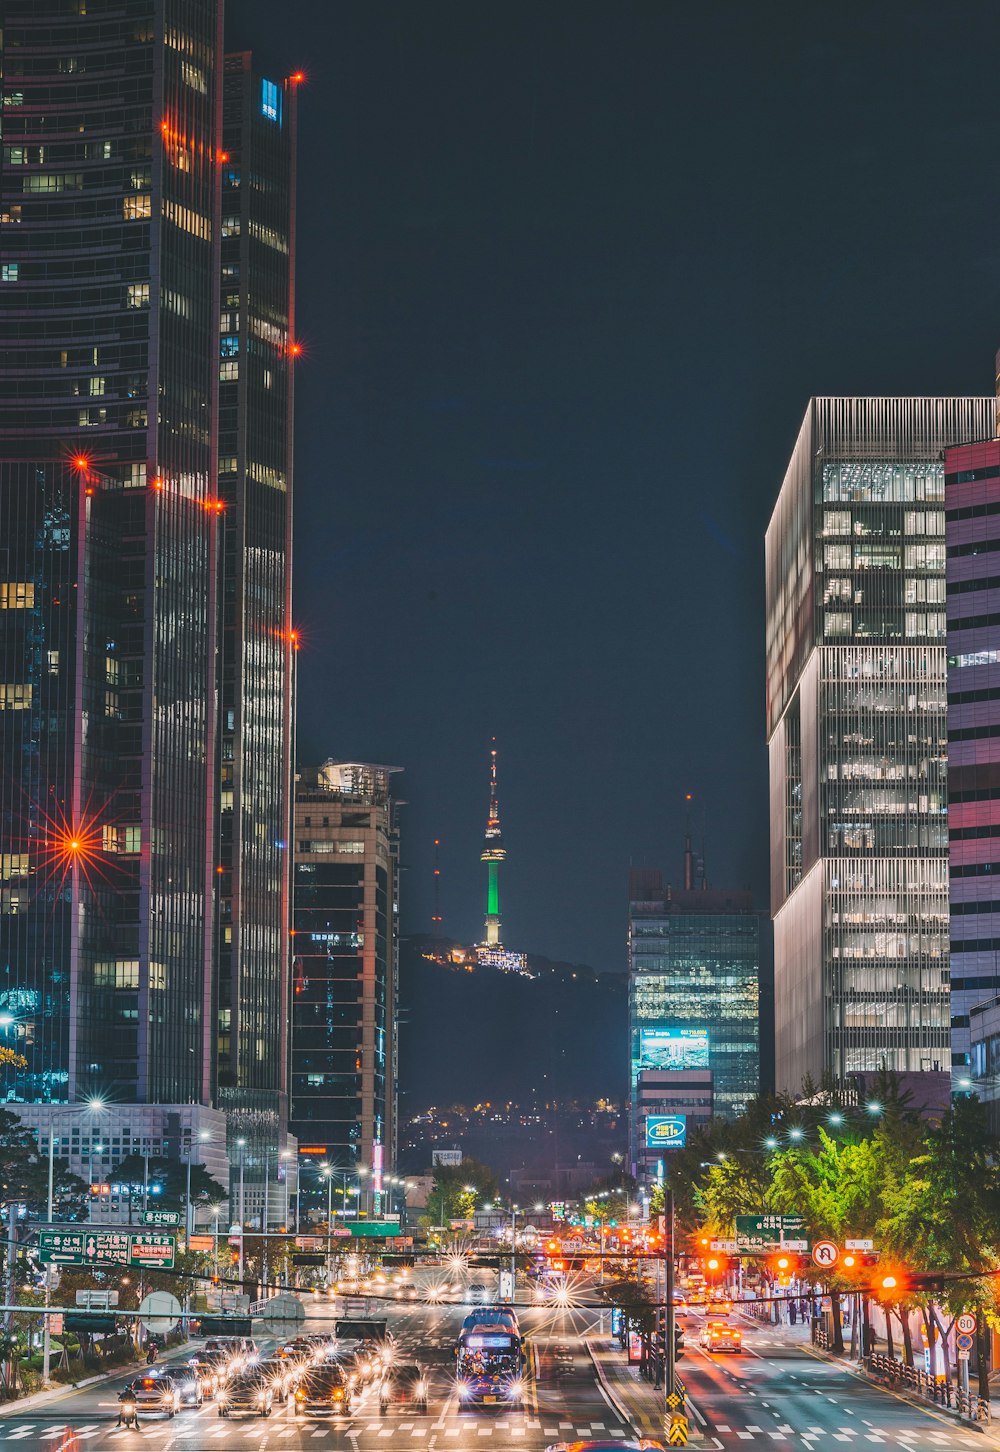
493,854
437,921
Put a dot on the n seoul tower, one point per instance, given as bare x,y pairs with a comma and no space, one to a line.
493,854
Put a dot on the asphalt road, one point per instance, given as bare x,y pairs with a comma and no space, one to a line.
775,1393
563,1402
778,1393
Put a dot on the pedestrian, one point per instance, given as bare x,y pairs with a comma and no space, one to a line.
793,1312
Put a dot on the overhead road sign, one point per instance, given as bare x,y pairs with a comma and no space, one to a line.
161,1217
762,1232
107,1247
859,1245
373,1228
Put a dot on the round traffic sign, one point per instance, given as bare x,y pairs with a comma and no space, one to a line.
826,1253
159,1311
964,1340
966,1323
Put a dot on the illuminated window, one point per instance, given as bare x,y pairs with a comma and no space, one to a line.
194,77
130,839
17,595
229,345
134,209
229,370
227,464
13,864
42,181
14,696
270,101
117,973
52,657
351,848
96,387
836,622
9,271
137,295
230,226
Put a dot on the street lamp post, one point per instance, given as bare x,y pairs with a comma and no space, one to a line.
327,1170
203,1134
242,1146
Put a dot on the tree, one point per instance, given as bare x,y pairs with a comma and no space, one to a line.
24,1174
451,1200
172,1178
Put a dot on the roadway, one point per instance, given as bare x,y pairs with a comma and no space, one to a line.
779,1392
776,1393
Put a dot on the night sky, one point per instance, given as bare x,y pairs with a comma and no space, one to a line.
567,275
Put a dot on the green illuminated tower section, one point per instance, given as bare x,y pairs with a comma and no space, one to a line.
493,854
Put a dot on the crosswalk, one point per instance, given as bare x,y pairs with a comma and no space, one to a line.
825,1437
390,1432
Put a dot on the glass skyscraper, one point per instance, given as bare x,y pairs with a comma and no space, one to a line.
145,642
857,736
109,319
256,352
694,990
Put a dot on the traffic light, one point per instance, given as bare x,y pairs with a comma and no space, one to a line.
678,1343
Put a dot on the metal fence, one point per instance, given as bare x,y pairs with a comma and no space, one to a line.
935,1389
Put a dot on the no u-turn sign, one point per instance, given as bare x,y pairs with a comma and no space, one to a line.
826,1253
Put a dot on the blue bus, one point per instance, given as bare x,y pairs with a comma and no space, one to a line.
490,1365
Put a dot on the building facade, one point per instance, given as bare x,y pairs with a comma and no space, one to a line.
345,969
256,642
972,537
108,231
144,896
665,1099
694,970
857,737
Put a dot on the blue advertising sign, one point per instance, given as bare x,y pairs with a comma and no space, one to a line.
666,1131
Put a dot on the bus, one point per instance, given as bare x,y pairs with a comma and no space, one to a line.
490,1362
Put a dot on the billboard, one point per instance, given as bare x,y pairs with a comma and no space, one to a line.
666,1131
673,1048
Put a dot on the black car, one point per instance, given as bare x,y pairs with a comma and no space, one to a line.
404,1382
323,1391
249,1392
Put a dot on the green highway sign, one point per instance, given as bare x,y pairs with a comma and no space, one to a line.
161,1217
106,1247
374,1227
754,1232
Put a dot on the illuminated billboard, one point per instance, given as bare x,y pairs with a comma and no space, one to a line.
673,1048
666,1131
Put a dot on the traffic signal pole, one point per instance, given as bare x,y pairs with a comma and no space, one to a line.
670,1349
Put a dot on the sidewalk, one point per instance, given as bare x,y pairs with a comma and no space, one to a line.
636,1400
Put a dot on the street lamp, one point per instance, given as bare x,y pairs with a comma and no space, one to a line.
241,1145
203,1134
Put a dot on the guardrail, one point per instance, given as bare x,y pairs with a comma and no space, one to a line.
935,1389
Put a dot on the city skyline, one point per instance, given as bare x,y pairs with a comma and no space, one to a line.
553,369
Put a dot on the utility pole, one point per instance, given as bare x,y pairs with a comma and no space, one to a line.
670,1357
46,1334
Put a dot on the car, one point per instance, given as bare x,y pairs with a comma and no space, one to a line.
406,1291
404,1382
190,1388
323,1390
207,1372
248,1392
156,1392
719,1336
281,1375
719,1306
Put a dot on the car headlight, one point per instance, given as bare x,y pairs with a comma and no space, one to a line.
188,1386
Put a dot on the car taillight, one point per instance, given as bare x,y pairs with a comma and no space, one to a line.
300,1395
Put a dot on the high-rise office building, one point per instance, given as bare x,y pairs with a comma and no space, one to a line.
972,538
132,590
345,969
108,228
857,735
694,985
256,355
